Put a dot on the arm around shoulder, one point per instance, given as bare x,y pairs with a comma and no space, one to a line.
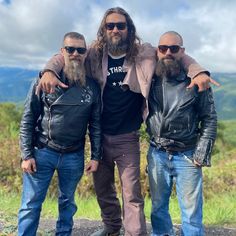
55,64
50,75
192,67
199,75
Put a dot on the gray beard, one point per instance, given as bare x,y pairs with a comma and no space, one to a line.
118,48
75,73
170,69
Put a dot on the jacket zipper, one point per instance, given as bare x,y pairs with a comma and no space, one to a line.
49,123
163,101
50,118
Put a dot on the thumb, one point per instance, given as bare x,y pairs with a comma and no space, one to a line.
88,168
190,85
62,85
34,166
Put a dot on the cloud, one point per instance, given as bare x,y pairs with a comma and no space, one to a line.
32,31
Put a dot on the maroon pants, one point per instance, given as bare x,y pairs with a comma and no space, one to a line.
124,151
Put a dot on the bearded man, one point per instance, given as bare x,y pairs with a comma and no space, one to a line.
52,138
182,126
124,68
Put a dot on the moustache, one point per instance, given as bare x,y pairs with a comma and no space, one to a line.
116,34
169,57
75,58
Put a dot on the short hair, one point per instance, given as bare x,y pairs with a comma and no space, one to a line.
175,33
73,35
132,38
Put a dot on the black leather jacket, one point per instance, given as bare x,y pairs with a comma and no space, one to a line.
182,119
60,120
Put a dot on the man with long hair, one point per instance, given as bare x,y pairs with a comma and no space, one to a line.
124,68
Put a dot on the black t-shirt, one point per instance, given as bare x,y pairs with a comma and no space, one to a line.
122,109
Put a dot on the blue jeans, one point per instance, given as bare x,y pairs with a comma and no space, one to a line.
163,169
70,167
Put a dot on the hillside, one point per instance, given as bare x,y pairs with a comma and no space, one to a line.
15,82
225,95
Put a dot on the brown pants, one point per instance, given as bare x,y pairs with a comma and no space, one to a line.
124,151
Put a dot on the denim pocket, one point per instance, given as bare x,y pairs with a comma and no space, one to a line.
188,155
149,153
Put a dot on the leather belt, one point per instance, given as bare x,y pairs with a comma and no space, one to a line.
41,145
162,149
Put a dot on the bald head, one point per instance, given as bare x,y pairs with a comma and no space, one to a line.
171,36
170,46
170,53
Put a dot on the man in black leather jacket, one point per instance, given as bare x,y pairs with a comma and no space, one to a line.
52,137
182,126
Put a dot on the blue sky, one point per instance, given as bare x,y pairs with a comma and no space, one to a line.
31,31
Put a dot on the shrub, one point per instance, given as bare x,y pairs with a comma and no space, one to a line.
219,178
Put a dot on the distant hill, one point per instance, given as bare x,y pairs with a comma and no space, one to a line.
225,95
15,82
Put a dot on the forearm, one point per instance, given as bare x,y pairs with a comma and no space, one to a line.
208,129
202,153
95,129
95,140
27,136
192,67
32,110
55,64
207,115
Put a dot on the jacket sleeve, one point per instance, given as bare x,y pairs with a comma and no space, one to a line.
94,126
208,128
90,63
55,64
31,113
192,67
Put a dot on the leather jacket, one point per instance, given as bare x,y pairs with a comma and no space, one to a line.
139,73
59,121
182,119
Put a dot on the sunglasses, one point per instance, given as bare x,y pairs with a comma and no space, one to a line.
119,25
71,50
173,48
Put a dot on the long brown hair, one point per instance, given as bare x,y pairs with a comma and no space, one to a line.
132,39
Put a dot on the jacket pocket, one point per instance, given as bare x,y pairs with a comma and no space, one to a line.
188,99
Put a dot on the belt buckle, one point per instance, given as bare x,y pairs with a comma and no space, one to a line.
161,148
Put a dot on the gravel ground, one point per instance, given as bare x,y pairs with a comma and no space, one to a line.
83,227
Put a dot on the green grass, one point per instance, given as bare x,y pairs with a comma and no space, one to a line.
218,210
10,202
230,131
221,210
87,208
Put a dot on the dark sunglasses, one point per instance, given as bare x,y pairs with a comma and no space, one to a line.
71,50
173,48
119,25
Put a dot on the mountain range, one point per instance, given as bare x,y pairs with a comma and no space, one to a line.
15,82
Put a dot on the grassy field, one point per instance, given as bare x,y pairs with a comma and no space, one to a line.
218,210
219,180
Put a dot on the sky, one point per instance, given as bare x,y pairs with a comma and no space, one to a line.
31,31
